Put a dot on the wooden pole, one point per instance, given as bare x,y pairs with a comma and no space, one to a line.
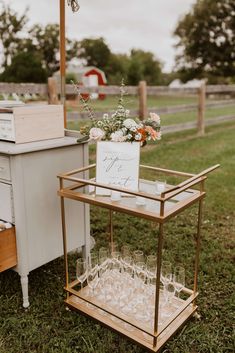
62,58
143,112
52,91
201,109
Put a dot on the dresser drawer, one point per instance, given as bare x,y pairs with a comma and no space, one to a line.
6,203
5,173
8,257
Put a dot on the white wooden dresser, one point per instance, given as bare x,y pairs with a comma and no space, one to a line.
28,199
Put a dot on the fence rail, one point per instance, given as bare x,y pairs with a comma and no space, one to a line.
42,89
49,92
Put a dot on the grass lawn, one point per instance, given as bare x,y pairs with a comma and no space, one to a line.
47,327
132,102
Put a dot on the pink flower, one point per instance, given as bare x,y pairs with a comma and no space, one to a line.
117,136
155,117
96,134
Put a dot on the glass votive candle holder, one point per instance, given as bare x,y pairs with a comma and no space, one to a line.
140,201
160,186
115,195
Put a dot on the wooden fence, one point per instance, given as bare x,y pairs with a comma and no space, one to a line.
49,92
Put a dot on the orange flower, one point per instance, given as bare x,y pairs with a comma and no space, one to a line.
143,134
151,132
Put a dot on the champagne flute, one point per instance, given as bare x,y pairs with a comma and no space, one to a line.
81,271
166,272
126,250
138,256
179,279
93,260
92,279
166,278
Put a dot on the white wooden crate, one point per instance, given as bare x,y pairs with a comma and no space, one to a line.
38,122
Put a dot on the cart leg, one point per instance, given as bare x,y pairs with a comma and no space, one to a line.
86,248
111,229
64,242
159,257
197,238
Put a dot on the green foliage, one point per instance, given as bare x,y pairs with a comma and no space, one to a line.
70,77
117,68
41,42
11,24
143,66
45,40
95,52
139,65
25,67
207,41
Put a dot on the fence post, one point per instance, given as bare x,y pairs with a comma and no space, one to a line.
52,91
201,109
142,100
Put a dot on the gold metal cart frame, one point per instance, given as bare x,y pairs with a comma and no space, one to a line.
159,209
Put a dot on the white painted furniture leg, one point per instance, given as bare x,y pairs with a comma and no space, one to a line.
25,292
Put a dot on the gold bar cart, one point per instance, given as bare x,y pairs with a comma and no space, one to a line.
76,185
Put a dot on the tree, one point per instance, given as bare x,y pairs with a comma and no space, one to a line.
11,24
117,68
207,41
144,66
25,67
95,52
45,40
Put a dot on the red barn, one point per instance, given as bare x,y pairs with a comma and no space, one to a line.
89,76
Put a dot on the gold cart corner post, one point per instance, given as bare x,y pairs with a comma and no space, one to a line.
76,185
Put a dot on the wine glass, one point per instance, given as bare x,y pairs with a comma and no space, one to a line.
127,267
151,261
166,272
93,259
92,278
138,256
81,271
166,278
179,279
103,253
116,264
113,246
126,250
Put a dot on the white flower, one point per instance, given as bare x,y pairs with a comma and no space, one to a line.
96,134
105,116
100,123
129,123
155,117
138,137
127,112
117,136
133,129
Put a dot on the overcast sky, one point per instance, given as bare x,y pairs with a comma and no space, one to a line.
125,24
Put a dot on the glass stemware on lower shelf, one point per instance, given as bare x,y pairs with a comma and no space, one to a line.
126,282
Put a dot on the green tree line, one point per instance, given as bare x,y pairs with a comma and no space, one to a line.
205,49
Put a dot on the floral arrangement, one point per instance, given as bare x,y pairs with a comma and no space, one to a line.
119,127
